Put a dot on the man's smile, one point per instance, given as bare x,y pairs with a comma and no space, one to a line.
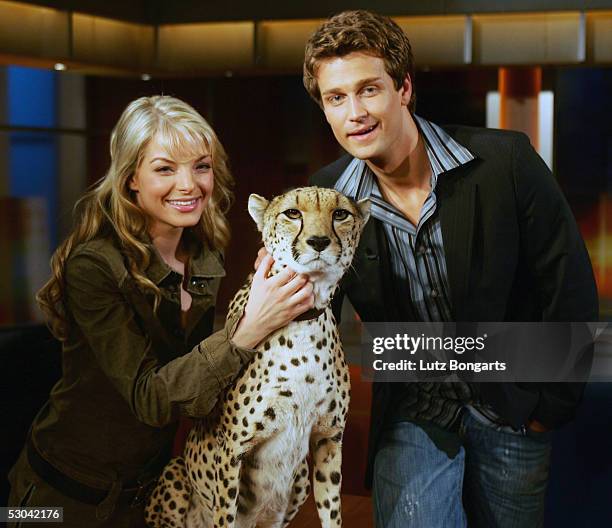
363,132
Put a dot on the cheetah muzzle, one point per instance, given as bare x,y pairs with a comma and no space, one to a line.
245,464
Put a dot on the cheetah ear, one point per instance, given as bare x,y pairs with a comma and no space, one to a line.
257,208
364,209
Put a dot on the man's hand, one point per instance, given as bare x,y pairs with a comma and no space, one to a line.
537,427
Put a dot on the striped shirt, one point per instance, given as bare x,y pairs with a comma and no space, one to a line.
418,265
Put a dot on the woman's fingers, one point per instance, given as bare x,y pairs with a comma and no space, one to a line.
303,295
303,307
281,278
274,301
261,254
264,267
294,284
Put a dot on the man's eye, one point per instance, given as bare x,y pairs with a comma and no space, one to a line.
294,214
341,214
334,99
370,90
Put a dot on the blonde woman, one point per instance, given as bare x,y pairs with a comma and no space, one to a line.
132,298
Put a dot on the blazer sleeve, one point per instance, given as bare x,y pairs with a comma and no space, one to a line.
558,260
157,395
551,241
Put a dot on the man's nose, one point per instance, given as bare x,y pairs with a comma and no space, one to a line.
357,110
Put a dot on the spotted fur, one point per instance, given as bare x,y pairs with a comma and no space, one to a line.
245,464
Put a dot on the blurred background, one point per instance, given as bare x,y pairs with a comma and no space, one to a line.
69,68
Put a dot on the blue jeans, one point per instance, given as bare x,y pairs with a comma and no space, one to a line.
497,480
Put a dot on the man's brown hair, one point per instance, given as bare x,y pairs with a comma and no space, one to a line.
365,32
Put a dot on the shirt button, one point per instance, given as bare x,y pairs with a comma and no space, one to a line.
434,293
421,250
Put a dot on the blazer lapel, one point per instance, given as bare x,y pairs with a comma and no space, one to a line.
369,284
457,204
363,282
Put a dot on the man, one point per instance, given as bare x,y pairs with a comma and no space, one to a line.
468,225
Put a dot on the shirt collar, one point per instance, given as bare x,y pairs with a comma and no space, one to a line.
444,153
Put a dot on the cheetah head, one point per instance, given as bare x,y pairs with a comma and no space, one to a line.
313,231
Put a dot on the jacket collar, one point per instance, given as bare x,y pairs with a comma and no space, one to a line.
203,262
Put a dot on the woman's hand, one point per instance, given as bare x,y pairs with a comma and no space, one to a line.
261,254
273,303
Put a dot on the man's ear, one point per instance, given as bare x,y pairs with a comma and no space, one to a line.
257,208
406,90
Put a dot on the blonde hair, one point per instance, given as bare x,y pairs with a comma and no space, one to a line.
109,208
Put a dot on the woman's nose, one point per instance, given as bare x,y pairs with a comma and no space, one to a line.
185,181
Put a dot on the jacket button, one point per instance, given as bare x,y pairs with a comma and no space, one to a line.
370,255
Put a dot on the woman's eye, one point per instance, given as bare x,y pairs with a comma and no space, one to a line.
294,214
203,167
341,214
163,169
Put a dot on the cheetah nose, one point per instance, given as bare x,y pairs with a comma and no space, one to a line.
319,243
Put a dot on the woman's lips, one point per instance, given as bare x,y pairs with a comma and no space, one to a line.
184,206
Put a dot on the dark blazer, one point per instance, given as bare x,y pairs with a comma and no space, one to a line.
513,253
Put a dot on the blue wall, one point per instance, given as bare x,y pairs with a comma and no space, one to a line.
33,160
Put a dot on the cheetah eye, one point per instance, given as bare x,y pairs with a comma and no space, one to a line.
294,214
341,214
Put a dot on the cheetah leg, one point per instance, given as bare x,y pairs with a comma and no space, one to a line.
327,458
169,501
225,509
299,492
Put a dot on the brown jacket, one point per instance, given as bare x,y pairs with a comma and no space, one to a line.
129,374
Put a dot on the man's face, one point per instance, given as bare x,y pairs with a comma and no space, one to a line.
364,109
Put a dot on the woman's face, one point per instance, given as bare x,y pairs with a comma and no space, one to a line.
172,192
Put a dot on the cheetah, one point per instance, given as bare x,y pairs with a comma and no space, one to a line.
245,465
